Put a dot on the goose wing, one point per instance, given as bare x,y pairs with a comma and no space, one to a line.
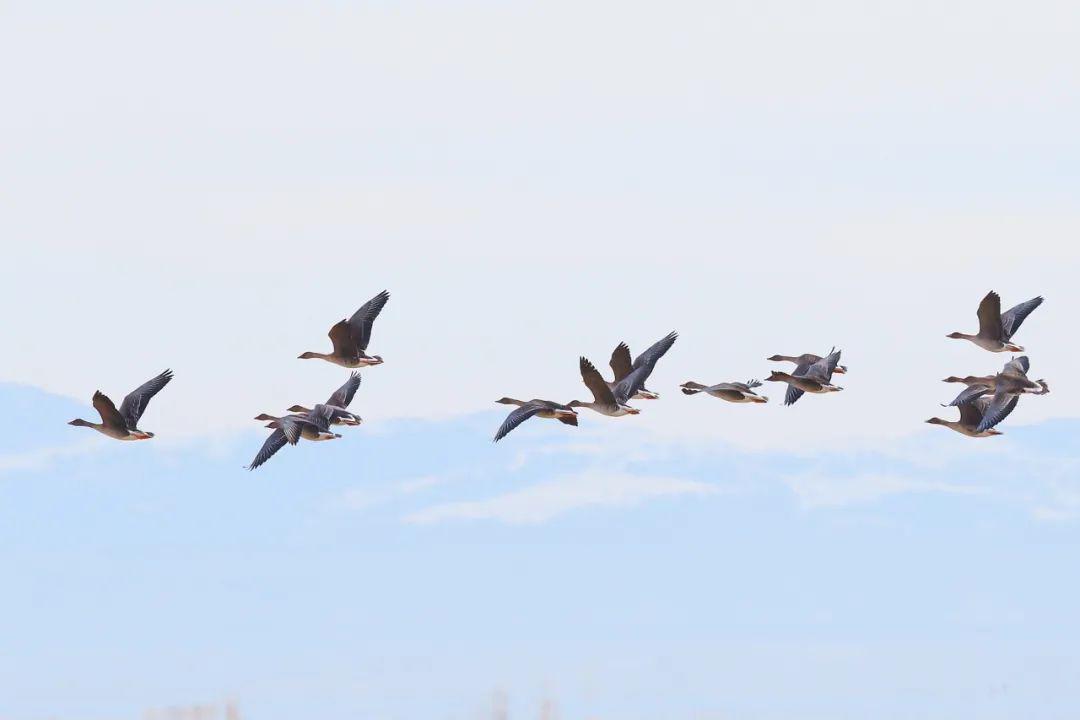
108,412
1017,366
275,442
344,394
792,395
969,395
516,417
990,317
595,382
620,361
997,410
654,352
823,369
629,385
971,413
362,320
342,337
1013,318
134,404
320,416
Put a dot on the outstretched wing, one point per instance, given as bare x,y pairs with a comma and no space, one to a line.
515,418
293,427
361,321
990,317
134,405
595,382
969,395
655,351
1012,319
999,408
620,361
628,386
275,442
1017,366
342,337
344,394
824,368
108,412
320,417
793,393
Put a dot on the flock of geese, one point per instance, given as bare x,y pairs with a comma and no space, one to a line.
984,403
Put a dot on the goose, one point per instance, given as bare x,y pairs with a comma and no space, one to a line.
978,385
122,424
609,401
814,378
996,328
528,408
621,365
314,426
805,359
338,402
350,337
971,417
1008,388
735,392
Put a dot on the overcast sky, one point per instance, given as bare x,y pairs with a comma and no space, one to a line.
209,187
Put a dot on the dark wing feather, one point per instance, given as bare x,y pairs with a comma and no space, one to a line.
108,412
1014,317
628,386
515,418
342,337
568,420
823,369
275,442
999,408
320,416
620,361
990,316
969,395
361,321
655,351
793,393
595,382
292,426
1017,366
971,413
344,394
134,405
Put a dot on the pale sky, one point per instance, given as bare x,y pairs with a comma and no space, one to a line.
209,187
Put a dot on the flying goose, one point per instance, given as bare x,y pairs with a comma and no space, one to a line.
609,401
805,359
1008,388
802,362
971,417
122,424
979,385
527,409
350,337
996,328
621,365
815,377
338,402
735,392
314,426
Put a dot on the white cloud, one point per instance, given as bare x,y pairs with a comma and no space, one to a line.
546,500
362,498
817,490
44,457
